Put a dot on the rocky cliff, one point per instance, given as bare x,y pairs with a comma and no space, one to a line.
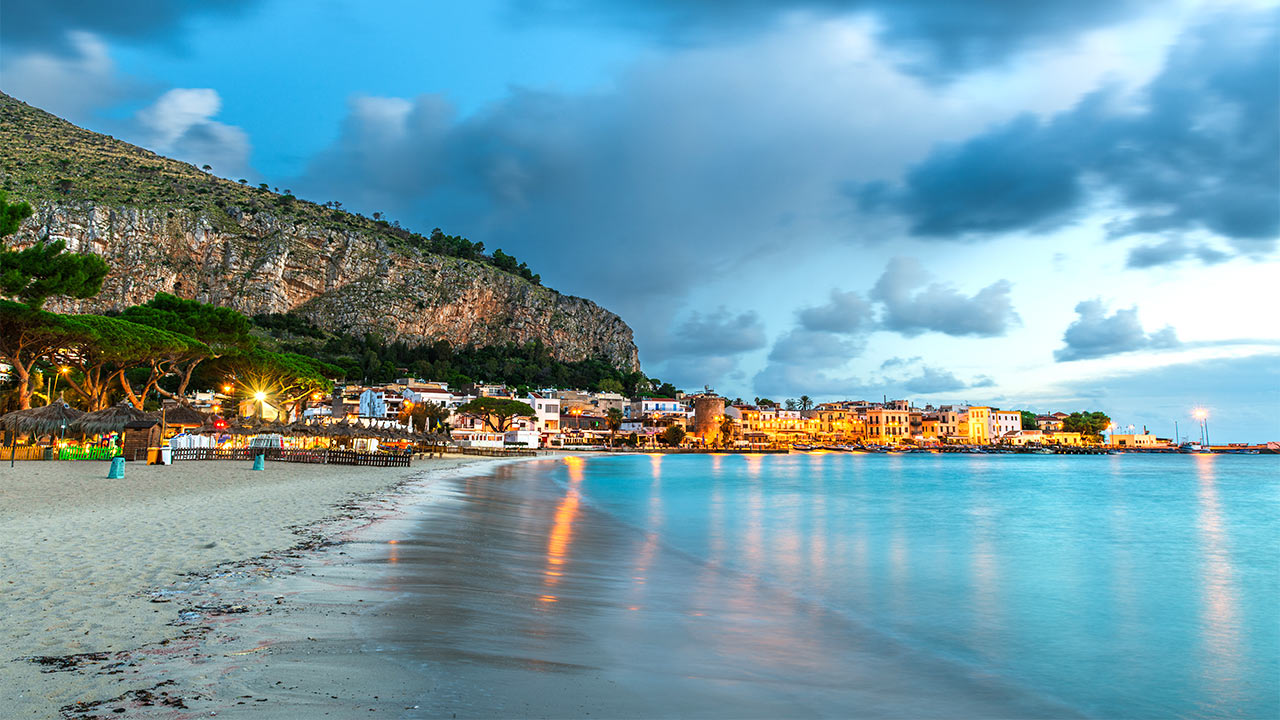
339,280
165,225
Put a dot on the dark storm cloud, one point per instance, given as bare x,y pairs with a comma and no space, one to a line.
1095,334
938,39
44,25
845,312
1172,251
1198,153
719,333
912,305
934,380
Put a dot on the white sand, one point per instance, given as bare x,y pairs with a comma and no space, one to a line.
80,553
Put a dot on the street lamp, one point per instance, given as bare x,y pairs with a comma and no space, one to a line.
261,397
1203,416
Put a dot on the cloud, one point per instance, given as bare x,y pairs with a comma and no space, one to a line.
923,379
1195,151
49,25
706,347
808,362
727,157
845,312
911,306
935,38
1172,251
1095,334
719,333
69,85
180,124
1241,394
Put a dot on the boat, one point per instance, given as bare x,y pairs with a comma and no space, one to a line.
1194,448
801,448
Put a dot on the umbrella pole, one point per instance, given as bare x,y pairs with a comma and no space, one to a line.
13,448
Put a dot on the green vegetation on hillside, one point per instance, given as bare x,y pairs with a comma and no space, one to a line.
370,359
43,157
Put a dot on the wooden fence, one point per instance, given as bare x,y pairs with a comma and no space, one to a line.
318,457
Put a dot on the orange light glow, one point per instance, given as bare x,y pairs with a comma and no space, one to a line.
548,598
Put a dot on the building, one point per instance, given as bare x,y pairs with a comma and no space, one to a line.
1144,440
1004,422
1049,423
975,425
888,424
546,417
653,407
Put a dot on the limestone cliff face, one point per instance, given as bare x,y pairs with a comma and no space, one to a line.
340,280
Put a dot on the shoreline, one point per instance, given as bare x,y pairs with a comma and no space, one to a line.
108,585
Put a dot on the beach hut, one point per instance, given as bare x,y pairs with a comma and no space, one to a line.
139,436
109,420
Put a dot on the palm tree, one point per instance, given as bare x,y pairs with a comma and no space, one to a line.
613,420
726,431
806,402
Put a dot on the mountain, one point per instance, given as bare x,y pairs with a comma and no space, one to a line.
165,225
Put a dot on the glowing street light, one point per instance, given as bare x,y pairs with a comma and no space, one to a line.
1203,416
261,397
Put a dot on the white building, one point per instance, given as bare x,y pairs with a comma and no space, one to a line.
1004,422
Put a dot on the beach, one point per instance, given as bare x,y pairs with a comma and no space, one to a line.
641,586
118,572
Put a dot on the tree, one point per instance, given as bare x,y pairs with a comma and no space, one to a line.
1088,424
427,415
610,385
673,435
287,378
613,420
221,330
1029,421
727,431
35,274
790,404
28,337
12,215
102,349
805,402
497,413
43,270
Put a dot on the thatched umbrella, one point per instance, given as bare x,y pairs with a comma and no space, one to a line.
183,416
109,420
55,417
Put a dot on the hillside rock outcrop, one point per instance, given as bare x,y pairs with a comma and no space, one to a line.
338,279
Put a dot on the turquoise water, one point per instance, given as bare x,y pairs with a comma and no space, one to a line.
1112,586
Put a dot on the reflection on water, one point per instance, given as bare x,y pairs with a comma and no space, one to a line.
1221,635
1050,572
561,534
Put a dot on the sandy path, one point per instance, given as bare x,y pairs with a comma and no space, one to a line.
79,554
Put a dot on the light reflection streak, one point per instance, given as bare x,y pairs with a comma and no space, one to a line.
1220,622
561,535
986,573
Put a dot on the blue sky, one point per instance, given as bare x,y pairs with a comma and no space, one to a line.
1053,205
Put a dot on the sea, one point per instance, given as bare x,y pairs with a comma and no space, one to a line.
843,585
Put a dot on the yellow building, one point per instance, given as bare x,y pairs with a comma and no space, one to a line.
888,424
1144,440
975,426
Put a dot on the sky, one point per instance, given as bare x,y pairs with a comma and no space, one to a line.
1059,205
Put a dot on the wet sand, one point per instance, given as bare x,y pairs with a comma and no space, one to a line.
508,595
